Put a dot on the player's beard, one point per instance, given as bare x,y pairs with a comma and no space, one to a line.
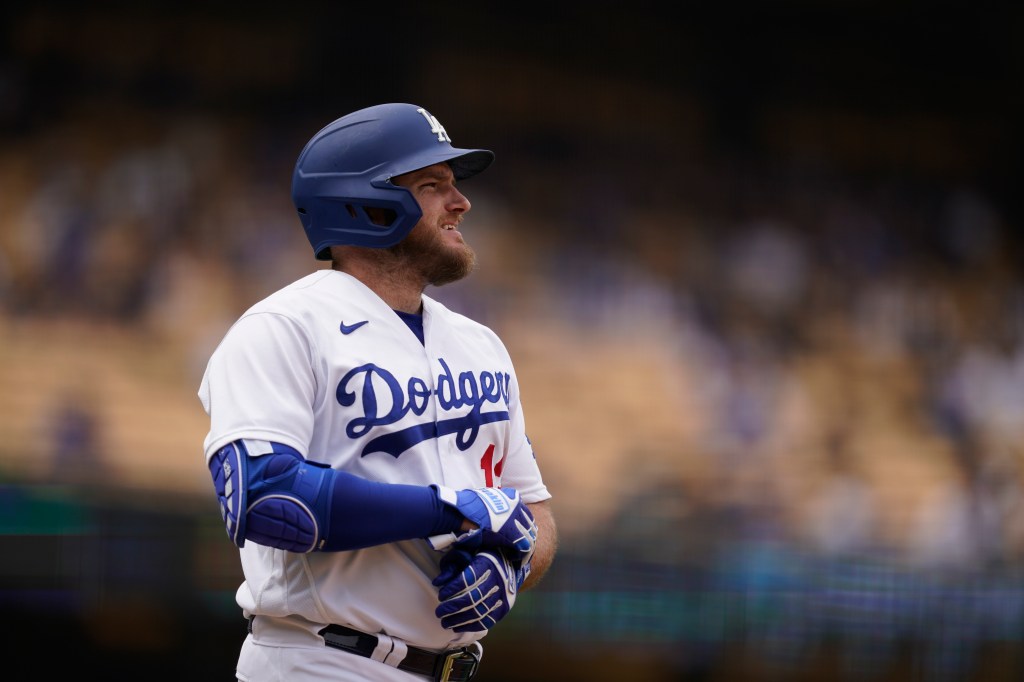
438,261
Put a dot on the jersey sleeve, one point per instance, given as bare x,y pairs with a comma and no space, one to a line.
260,384
521,470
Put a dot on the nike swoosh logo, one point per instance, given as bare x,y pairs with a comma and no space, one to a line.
349,328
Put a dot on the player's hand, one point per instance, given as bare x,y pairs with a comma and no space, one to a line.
477,590
503,520
454,562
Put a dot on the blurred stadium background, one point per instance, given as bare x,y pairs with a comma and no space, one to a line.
759,265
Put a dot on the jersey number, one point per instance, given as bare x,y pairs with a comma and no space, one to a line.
490,468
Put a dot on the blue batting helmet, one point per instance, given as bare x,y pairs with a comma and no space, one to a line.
347,167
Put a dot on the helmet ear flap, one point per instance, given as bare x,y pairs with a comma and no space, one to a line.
378,220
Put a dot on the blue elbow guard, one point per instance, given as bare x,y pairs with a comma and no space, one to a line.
227,467
276,499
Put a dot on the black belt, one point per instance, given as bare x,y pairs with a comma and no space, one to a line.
454,665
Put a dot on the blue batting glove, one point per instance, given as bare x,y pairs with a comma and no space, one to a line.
503,518
481,593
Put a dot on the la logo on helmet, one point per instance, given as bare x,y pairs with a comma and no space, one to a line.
435,126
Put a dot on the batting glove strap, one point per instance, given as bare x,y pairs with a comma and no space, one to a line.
479,595
503,518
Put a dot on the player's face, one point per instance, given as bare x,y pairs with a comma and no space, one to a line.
435,246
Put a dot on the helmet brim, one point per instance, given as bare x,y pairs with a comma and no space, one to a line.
469,164
465,163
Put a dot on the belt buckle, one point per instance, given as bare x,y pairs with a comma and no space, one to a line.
462,661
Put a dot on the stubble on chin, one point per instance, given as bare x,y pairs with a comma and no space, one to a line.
438,262
452,265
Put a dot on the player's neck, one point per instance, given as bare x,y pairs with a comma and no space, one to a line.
398,297
400,288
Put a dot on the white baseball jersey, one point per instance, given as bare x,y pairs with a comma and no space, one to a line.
326,367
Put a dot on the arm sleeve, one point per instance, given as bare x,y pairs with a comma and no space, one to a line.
366,513
272,496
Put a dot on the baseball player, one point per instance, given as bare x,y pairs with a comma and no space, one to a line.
367,444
